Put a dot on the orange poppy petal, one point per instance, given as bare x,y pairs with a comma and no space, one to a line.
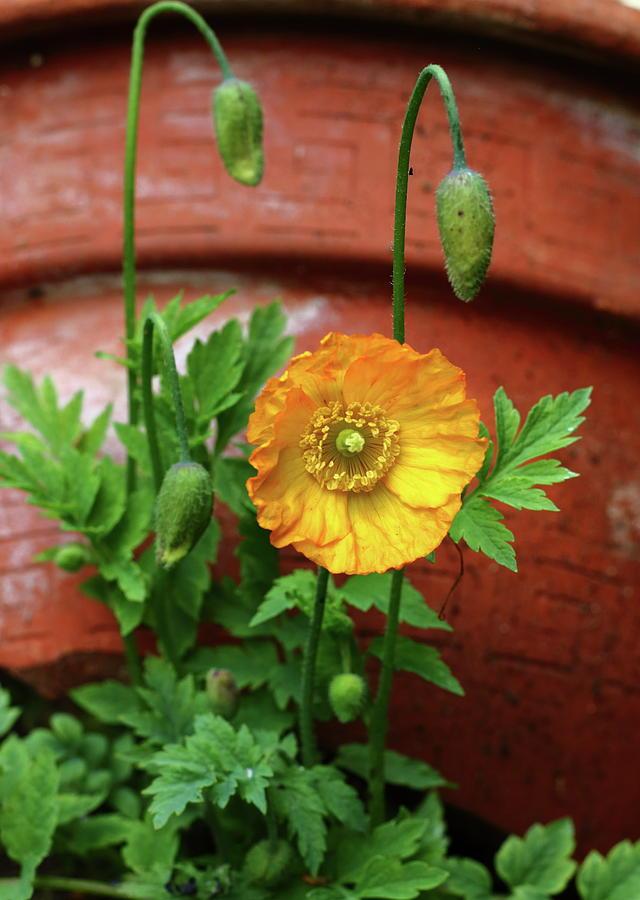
385,534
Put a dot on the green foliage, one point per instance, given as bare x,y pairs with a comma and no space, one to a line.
216,757
147,772
612,877
28,806
541,859
8,714
512,478
399,769
424,661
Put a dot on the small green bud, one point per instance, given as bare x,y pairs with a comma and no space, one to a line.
72,557
466,222
269,864
237,116
183,511
347,696
222,692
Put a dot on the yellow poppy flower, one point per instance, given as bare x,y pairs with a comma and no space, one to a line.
362,450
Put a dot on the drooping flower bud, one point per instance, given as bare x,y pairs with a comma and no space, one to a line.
268,864
222,692
183,511
466,223
237,116
72,557
347,696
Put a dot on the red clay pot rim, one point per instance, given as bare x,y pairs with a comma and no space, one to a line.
608,28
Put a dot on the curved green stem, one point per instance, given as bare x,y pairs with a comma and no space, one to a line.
380,711
151,323
307,736
133,114
402,177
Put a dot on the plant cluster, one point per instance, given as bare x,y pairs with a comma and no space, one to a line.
201,776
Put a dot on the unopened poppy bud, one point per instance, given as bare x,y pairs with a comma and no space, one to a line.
347,696
183,511
72,557
466,223
269,864
237,117
222,692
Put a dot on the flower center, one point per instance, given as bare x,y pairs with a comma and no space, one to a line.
349,448
349,442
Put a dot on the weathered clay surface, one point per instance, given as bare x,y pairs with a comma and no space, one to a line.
560,153
549,658
574,26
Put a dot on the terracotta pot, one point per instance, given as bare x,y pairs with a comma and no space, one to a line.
548,658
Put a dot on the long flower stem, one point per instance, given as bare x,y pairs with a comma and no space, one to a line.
380,712
307,736
133,115
82,886
402,177
132,656
154,323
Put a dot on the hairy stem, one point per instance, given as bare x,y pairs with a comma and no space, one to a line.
133,114
402,177
307,736
132,656
154,323
380,711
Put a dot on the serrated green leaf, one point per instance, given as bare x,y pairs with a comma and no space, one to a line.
180,319
215,757
265,351
387,879
167,707
150,852
480,525
395,840
230,478
468,879
97,832
412,656
614,877
366,591
110,498
28,804
92,438
107,701
288,592
399,769
251,663
296,800
215,368
541,859
340,800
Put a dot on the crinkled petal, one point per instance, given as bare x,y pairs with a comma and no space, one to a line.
289,501
426,474
385,534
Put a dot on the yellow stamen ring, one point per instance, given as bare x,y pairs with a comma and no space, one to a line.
349,448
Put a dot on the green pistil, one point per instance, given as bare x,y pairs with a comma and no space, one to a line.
349,442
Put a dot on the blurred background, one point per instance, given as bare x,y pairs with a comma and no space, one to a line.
547,91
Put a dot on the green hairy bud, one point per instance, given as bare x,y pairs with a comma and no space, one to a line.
72,557
222,692
237,116
183,511
347,696
466,222
268,864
